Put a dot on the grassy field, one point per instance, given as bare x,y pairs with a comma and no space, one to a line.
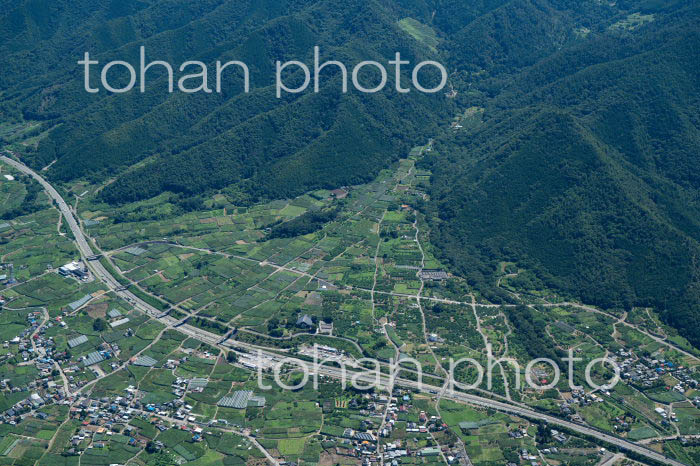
420,32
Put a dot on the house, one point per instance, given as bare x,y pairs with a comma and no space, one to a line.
339,193
305,321
75,268
325,327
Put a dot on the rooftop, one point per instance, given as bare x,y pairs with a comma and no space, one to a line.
238,400
145,361
73,342
93,358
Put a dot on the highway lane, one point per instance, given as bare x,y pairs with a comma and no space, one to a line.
83,246
384,381
215,340
511,409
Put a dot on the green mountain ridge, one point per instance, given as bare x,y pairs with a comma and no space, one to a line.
131,127
582,168
592,182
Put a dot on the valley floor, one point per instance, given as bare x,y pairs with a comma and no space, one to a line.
352,270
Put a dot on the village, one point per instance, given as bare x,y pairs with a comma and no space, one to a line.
87,373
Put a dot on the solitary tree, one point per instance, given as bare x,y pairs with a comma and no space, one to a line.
99,325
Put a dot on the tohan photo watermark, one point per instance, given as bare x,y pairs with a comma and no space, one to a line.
368,375
197,75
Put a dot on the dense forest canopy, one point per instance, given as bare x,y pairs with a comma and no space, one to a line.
578,160
584,168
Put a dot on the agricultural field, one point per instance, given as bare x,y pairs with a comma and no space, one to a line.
219,266
420,32
31,238
352,270
490,437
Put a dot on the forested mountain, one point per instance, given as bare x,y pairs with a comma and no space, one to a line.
580,162
276,147
584,169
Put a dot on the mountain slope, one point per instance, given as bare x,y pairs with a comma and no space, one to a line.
209,141
591,180
582,167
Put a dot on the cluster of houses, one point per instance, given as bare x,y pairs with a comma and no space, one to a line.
104,412
424,424
89,436
182,385
666,415
550,451
647,371
395,451
101,416
365,442
518,433
39,392
35,348
30,342
535,458
558,436
644,372
362,443
579,398
525,455
623,423
17,412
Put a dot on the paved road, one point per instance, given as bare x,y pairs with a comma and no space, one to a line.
610,459
83,246
489,403
209,338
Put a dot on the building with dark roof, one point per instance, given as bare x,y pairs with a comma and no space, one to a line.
305,321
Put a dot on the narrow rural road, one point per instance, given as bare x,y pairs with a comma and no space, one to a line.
659,340
83,246
215,340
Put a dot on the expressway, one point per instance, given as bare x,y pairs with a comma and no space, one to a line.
384,381
84,247
101,273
